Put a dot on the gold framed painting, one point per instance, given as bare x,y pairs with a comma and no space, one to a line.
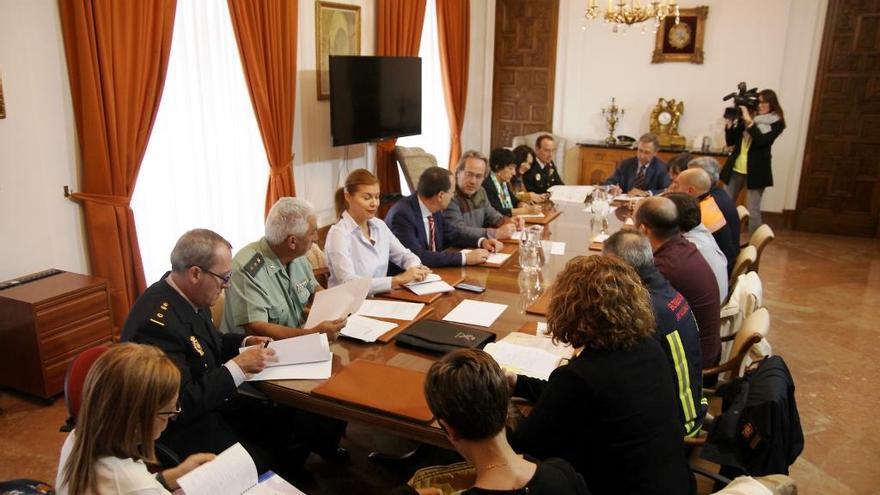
337,32
682,42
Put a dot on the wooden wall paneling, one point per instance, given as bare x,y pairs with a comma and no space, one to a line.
524,68
840,183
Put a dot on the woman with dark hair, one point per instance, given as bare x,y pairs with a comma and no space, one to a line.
748,166
525,157
361,245
502,170
611,410
678,164
129,396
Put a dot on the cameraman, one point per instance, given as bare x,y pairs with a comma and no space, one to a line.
751,136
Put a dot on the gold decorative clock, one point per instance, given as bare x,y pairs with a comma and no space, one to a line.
664,122
680,35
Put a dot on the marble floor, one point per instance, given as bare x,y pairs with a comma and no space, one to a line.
823,294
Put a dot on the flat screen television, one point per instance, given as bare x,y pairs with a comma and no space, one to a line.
374,98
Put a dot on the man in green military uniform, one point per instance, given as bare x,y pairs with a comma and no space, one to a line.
272,281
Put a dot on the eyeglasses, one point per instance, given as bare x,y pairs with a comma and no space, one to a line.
172,415
225,279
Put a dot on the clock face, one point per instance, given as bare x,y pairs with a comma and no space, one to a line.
680,35
664,118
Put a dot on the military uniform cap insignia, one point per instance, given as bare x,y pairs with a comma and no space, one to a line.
254,264
197,345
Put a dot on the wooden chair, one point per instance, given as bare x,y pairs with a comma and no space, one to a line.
413,161
744,262
743,213
746,296
318,260
762,236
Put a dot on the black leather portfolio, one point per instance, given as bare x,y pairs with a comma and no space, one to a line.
441,337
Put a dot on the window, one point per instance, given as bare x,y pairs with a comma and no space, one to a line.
434,138
205,165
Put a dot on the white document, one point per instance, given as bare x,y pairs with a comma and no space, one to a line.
532,215
297,350
540,341
542,329
536,363
432,284
233,471
338,302
366,329
554,247
319,370
601,238
517,236
390,309
476,313
495,258
272,484
572,194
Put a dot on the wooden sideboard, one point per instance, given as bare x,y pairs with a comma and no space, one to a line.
45,324
598,160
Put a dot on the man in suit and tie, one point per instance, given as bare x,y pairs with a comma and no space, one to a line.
417,221
643,174
543,175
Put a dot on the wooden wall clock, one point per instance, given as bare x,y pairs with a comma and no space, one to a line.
682,42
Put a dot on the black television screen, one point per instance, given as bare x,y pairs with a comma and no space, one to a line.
373,98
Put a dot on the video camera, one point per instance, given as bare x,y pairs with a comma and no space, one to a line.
741,97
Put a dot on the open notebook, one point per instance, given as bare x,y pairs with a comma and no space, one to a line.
233,472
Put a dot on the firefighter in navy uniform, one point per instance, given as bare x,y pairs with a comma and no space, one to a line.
173,314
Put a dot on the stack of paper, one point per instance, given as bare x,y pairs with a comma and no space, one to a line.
233,471
479,313
305,357
494,258
597,242
532,215
366,329
395,310
536,363
338,302
554,247
431,285
540,341
572,194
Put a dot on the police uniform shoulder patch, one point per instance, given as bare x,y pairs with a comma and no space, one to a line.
158,318
254,264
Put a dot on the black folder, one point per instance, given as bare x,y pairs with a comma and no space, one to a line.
441,337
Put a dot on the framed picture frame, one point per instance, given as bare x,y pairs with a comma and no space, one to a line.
2,102
682,42
337,32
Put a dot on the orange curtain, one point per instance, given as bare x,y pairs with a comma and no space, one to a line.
398,33
266,34
453,28
117,55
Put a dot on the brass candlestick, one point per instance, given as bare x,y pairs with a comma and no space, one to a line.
612,116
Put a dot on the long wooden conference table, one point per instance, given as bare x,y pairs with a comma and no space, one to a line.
573,227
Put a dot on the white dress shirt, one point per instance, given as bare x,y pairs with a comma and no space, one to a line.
707,246
351,255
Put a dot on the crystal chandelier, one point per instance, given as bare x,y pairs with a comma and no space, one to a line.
626,13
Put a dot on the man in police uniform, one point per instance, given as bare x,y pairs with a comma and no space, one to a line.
272,281
543,175
173,315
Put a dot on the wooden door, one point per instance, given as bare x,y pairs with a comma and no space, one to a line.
524,68
840,182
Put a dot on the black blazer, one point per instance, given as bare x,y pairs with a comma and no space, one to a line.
540,178
405,221
656,175
759,175
613,416
495,200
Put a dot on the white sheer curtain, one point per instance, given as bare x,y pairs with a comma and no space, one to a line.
205,165
435,123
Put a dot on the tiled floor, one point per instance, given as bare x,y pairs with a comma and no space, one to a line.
823,294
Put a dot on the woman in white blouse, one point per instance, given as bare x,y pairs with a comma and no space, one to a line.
360,245
129,395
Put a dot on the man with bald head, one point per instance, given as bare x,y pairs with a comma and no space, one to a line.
686,269
724,201
695,182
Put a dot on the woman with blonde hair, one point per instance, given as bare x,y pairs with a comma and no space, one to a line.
361,245
611,410
129,396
